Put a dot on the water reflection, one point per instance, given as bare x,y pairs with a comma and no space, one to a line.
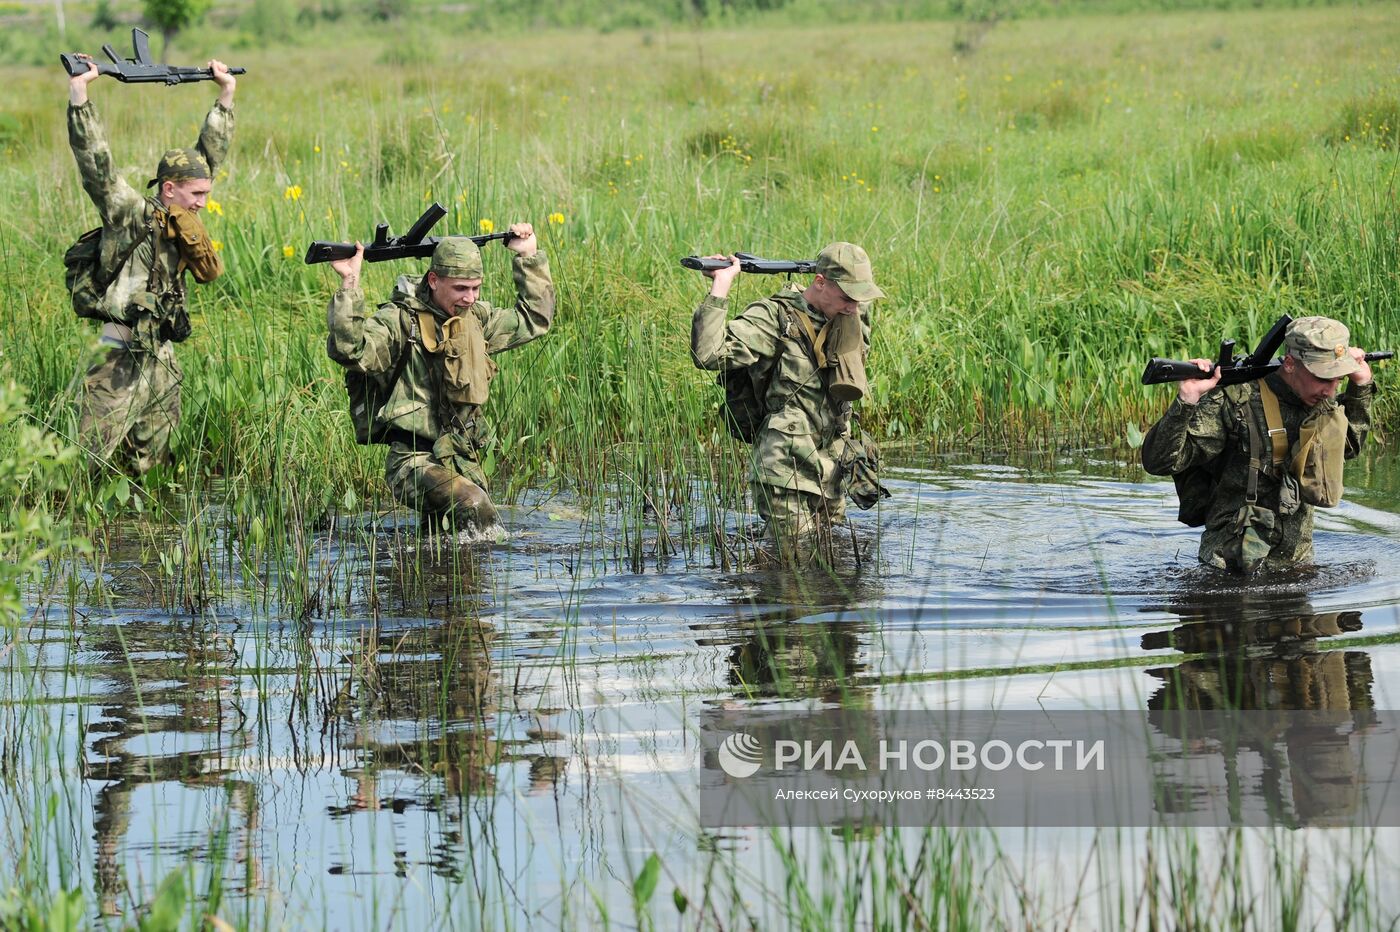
798,635
168,715
1263,655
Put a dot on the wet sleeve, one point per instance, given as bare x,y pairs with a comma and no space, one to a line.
360,342
1356,402
216,135
507,327
117,202
1186,436
743,341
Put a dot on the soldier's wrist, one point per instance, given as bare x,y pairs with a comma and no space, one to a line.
1180,407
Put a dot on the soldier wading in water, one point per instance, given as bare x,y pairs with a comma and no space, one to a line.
426,355
135,281
1251,461
803,351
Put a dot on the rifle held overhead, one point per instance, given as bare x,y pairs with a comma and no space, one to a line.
140,68
415,244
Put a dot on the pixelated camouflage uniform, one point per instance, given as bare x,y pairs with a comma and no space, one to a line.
1214,433
795,475
131,398
435,445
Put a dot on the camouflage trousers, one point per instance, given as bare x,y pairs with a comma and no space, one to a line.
131,403
453,491
797,522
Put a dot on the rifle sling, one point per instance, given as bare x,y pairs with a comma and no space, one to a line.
1273,418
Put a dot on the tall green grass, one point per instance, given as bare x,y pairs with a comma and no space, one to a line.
1045,213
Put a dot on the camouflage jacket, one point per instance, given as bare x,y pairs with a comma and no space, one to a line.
126,215
1214,434
805,434
417,403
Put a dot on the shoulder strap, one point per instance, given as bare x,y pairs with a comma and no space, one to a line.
1273,418
807,336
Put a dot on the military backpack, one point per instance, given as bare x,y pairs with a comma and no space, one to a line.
85,278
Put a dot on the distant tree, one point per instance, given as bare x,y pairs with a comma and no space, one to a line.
170,16
104,19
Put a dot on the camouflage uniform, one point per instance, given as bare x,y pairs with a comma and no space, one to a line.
795,474
1214,431
131,398
435,445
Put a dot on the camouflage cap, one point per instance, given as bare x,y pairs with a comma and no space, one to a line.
180,165
457,257
1320,344
848,267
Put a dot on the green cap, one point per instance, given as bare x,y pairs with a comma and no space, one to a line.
848,267
1320,344
180,165
457,257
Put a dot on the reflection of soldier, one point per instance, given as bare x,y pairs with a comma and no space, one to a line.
198,699
796,476
131,399
442,676
433,341
1271,664
1251,461
779,654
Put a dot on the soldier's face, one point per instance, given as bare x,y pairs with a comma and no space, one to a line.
828,298
454,294
191,195
1310,389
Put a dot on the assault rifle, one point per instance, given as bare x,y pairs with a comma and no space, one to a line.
753,265
415,244
1234,370
140,68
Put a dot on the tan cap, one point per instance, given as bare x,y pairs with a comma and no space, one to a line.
457,257
848,267
180,165
1320,344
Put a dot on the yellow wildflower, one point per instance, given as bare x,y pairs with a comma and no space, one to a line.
214,207
486,226
316,149
556,219
288,252
218,245
292,193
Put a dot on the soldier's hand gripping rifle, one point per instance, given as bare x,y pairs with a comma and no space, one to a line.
753,265
415,244
1233,369
140,68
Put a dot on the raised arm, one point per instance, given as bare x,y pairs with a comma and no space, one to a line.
533,311
1187,435
743,341
117,201
217,132
357,340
